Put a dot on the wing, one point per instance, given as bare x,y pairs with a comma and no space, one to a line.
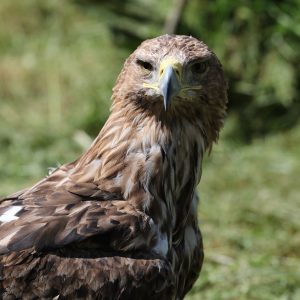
68,239
52,276
59,211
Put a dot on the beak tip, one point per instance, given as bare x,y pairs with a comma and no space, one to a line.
166,103
165,106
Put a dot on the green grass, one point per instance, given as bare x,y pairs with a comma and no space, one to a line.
58,65
250,220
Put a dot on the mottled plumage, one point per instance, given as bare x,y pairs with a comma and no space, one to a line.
121,221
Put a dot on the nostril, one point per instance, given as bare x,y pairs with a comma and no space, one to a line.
161,72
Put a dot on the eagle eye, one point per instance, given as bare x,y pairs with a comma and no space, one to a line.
199,67
145,64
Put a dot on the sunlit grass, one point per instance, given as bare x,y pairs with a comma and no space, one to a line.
250,221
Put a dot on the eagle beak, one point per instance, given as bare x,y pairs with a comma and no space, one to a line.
170,72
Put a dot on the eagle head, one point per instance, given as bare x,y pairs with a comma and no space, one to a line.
175,74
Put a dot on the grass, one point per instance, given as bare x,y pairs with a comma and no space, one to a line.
56,73
250,221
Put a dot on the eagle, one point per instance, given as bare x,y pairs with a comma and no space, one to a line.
121,221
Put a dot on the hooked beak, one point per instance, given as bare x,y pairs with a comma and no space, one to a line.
169,80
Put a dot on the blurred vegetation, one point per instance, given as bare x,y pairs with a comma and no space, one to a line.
249,217
58,62
258,42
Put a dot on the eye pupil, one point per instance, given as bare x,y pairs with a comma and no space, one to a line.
145,64
199,67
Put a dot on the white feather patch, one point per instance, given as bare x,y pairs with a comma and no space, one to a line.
161,245
10,214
